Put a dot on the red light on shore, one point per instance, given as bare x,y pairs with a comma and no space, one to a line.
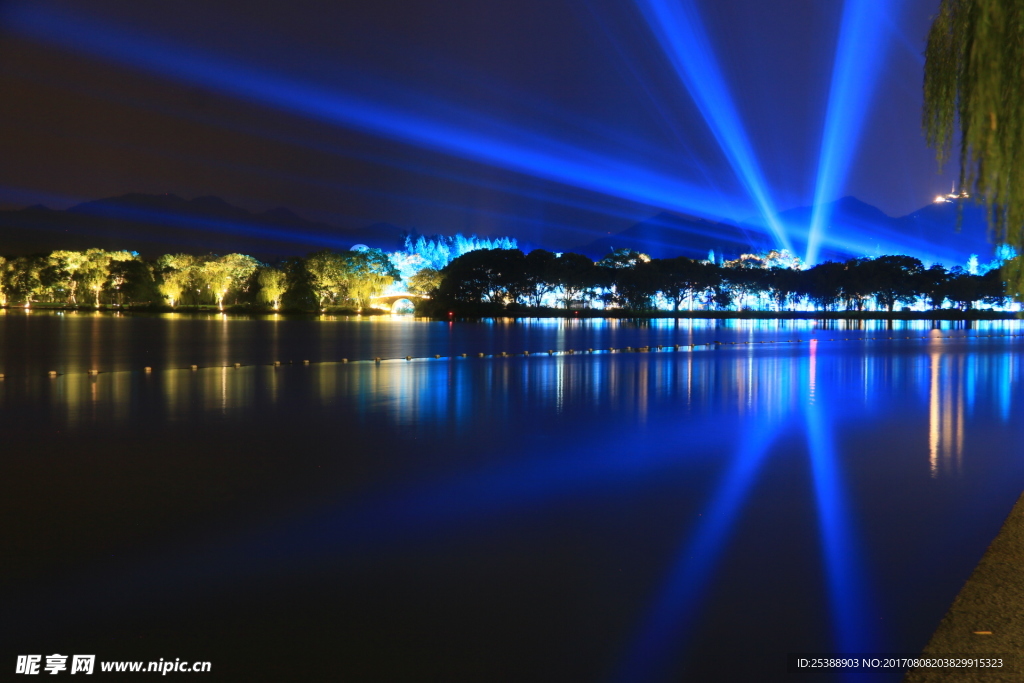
450,314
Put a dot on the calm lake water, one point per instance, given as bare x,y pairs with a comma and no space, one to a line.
679,514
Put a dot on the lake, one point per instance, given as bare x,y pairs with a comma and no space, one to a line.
691,512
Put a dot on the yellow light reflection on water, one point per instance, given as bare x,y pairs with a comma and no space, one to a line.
945,409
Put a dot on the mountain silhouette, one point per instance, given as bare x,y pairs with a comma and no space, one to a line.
947,232
167,223
667,235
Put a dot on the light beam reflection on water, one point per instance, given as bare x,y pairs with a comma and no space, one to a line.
671,496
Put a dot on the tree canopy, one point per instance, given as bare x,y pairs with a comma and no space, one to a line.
974,88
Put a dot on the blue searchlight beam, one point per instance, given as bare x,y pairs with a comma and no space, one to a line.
508,147
859,54
677,27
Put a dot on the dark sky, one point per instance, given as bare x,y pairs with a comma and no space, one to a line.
333,109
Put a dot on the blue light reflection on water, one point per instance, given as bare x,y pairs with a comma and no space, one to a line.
663,629
660,461
847,594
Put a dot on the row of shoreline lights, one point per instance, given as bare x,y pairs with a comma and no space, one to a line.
569,352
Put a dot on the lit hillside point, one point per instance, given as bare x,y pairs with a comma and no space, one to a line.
951,197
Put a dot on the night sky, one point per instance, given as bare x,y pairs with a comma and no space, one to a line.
454,116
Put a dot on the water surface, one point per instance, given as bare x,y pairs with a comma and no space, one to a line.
694,513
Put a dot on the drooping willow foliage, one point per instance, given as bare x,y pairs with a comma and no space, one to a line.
974,87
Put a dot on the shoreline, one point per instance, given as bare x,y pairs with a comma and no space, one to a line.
522,313
986,618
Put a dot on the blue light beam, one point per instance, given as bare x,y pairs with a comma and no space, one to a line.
678,29
505,146
860,51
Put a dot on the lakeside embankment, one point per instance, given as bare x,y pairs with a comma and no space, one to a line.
986,620
487,311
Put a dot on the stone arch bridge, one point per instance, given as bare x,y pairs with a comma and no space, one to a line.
391,301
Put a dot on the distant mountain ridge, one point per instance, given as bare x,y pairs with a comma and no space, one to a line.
668,235
934,233
167,223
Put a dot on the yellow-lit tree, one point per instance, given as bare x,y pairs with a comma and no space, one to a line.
425,281
95,272
24,277
367,273
327,276
225,273
273,284
177,274
65,266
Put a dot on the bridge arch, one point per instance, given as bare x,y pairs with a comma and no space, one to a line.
397,303
404,305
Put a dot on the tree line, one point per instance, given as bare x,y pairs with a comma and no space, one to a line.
508,278
96,277
491,280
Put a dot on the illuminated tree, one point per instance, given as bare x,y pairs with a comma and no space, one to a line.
177,275
273,284
3,281
623,258
326,270
408,264
438,251
974,87
94,274
24,278
65,266
366,274
222,274
425,282
172,285
96,271
776,258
